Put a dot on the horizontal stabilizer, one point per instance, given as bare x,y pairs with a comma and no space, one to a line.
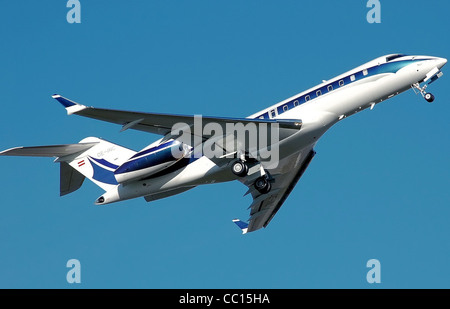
47,151
242,225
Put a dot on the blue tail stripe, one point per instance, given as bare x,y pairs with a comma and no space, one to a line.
105,163
103,175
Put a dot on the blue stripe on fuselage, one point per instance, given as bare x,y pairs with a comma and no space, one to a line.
160,146
152,159
389,67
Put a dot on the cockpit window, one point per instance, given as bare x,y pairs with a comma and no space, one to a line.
392,57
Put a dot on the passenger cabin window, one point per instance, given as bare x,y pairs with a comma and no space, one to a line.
296,103
318,93
285,108
330,88
307,98
341,83
365,72
352,78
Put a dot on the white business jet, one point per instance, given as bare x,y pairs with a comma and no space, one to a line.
189,154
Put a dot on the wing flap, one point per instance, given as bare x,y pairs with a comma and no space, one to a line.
265,206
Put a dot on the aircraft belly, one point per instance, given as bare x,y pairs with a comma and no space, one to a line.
200,171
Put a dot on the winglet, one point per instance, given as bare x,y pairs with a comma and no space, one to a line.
242,225
71,106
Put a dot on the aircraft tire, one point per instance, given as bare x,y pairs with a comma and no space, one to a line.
239,168
263,185
429,97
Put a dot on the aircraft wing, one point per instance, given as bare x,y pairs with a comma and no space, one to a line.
163,124
284,178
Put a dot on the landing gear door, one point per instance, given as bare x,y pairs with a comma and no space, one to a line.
433,75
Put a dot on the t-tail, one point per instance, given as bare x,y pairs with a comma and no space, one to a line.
92,158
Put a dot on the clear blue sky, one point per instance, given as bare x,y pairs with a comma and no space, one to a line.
377,189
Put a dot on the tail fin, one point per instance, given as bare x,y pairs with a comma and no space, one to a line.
99,162
93,158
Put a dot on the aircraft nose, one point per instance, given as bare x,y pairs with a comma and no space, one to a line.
441,62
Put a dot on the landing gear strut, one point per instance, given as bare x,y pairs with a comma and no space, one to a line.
426,95
261,181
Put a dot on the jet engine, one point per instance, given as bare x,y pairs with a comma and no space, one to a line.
151,160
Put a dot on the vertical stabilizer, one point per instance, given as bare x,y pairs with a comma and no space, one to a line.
92,158
99,162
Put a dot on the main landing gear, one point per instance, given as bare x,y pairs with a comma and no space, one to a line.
262,183
239,168
426,95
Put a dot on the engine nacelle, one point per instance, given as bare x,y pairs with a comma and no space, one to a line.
151,160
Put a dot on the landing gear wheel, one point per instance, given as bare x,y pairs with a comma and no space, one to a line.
263,185
239,168
429,97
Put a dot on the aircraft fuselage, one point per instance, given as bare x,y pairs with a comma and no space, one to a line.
319,108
